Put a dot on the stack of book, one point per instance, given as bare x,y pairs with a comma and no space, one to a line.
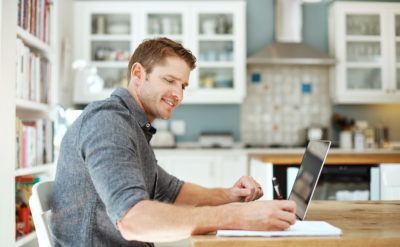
33,75
34,142
34,17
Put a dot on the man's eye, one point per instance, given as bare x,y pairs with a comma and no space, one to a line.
169,80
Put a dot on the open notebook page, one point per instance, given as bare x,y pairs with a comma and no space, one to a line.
300,228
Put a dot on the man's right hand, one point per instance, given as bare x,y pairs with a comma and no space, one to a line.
265,215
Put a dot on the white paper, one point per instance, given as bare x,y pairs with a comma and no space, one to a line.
300,228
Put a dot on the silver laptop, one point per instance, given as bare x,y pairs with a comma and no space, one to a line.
308,175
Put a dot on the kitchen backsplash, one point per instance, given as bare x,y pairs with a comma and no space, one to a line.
282,102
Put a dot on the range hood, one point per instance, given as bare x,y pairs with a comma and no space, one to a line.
288,47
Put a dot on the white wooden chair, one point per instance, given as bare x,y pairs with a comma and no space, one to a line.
40,204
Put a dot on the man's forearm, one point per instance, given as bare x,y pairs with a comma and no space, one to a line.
195,195
152,221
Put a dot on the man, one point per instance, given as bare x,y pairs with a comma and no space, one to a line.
109,190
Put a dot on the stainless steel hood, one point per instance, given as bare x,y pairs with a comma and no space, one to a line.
289,48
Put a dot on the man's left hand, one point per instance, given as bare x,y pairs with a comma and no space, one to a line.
246,189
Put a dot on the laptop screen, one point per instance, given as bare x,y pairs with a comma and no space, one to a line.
308,175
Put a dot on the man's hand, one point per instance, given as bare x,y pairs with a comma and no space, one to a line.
246,189
274,215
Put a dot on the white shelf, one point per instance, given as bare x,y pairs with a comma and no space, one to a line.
216,64
216,37
111,64
34,170
34,42
363,65
110,37
25,239
363,38
22,104
177,37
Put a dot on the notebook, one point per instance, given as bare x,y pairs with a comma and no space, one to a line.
300,228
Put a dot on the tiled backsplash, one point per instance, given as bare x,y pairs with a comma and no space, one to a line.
282,102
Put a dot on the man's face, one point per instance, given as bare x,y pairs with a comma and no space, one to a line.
161,91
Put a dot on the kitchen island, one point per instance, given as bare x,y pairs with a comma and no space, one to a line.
216,167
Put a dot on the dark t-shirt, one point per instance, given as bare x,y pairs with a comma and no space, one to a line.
105,167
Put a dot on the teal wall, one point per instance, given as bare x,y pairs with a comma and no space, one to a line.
260,32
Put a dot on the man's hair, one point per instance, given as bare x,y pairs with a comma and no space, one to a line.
154,51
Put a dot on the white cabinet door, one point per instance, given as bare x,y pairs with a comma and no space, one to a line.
230,168
218,41
263,173
390,183
103,43
361,38
195,169
205,168
395,46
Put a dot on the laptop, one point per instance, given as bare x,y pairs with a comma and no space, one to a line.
308,175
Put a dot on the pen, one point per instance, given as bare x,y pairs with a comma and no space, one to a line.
276,188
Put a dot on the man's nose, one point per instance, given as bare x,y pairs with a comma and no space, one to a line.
177,94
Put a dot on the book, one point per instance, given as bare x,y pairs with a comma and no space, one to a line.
300,228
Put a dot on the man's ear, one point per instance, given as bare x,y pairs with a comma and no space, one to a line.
138,73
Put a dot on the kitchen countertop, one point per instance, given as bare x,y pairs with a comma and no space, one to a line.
285,156
335,156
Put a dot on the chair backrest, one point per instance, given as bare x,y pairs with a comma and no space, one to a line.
40,204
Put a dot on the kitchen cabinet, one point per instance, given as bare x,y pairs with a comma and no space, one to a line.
208,168
365,39
107,32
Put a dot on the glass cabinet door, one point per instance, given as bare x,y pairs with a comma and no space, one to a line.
164,23
397,32
216,51
110,47
363,52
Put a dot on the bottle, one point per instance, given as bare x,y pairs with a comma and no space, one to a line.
359,140
23,215
381,136
221,25
100,24
359,136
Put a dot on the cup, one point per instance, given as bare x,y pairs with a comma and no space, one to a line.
345,141
209,26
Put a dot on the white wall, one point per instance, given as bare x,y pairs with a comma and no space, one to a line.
8,25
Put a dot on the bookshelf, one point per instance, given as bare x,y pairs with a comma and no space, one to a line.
29,97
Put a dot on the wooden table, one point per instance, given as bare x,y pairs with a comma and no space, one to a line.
364,223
